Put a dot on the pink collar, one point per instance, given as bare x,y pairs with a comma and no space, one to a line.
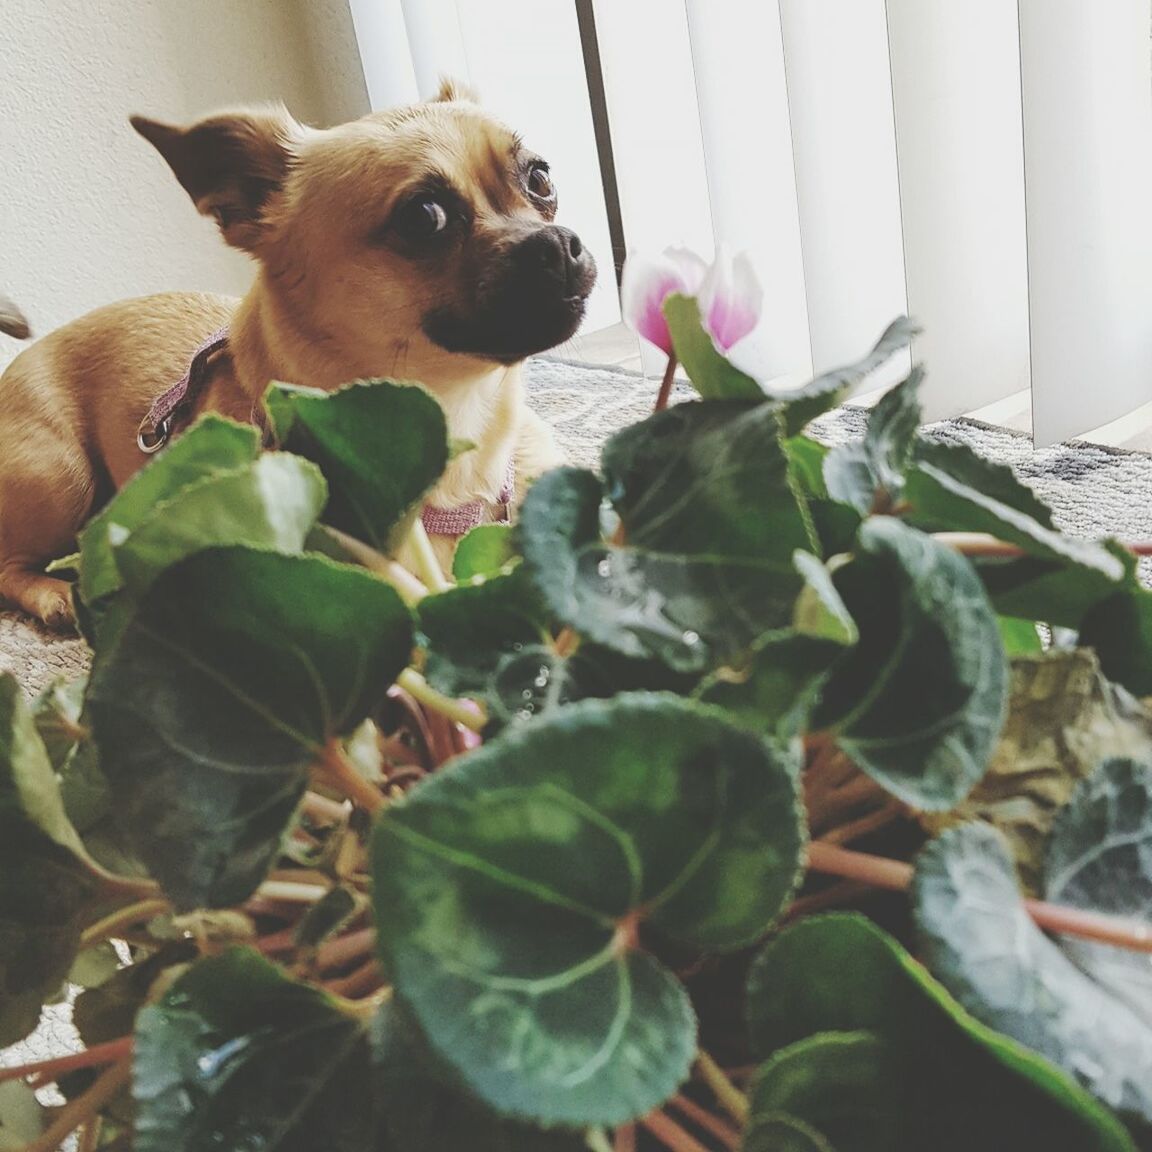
170,411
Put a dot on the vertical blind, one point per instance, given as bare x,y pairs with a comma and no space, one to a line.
985,165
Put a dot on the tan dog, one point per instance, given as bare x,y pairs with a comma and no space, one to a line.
415,243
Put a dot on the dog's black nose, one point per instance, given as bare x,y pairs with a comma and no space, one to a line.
559,253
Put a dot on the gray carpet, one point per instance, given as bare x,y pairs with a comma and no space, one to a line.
1093,491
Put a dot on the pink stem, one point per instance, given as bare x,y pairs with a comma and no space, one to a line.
896,876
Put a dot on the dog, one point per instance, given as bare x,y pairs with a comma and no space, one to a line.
417,244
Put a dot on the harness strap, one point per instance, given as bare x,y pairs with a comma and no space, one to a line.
170,408
157,427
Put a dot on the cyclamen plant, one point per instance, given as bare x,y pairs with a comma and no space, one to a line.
579,846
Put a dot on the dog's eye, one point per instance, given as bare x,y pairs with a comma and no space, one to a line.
421,218
540,182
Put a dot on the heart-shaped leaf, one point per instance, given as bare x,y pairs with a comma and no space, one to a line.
270,503
485,551
47,883
210,446
775,1132
1100,859
221,692
690,612
845,1085
236,1050
982,944
683,481
380,444
869,474
489,641
1058,592
508,893
920,701
423,1108
801,405
1119,628
712,374
959,1086
940,489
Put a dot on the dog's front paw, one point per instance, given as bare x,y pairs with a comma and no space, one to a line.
54,607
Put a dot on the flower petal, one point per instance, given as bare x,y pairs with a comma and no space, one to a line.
646,284
731,299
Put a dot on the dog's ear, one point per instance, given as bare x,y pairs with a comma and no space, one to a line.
231,165
456,90
12,322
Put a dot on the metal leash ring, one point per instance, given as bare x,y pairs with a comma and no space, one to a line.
152,439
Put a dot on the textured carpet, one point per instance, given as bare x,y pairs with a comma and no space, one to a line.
1093,491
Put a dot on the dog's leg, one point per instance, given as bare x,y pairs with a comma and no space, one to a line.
42,507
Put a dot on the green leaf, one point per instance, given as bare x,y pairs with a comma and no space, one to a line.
56,712
919,703
21,1116
1060,593
996,482
211,445
380,444
941,500
328,915
473,629
707,479
836,525
1098,860
269,503
236,1053
712,374
691,613
490,642
962,1086
1021,637
981,943
868,474
799,406
1119,628
108,1012
774,690
485,551
219,695
846,1085
423,1107
507,893
775,1132
820,611
46,880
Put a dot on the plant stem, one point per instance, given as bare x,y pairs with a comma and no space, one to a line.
410,589
341,952
982,544
469,715
90,1137
49,1070
107,928
624,1139
896,876
713,1125
731,1099
335,766
430,570
84,1108
596,1139
288,892
666,385
669,1133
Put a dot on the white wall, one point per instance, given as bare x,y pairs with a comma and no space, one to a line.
89,213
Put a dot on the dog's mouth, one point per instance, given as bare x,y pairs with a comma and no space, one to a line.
535,301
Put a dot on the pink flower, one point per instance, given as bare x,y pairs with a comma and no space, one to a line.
648,281
728,293
730,299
